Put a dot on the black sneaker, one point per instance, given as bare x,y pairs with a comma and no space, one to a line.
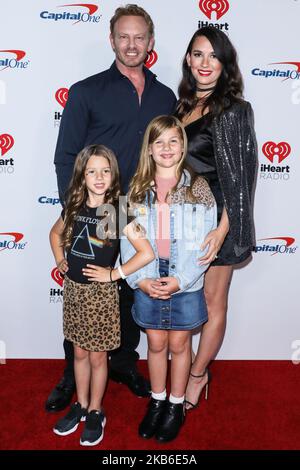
93,431
70,422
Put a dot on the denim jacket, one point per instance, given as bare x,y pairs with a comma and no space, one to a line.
190,222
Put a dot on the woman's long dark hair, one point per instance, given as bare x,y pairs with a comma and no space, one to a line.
229,87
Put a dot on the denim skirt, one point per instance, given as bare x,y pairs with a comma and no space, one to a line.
183,311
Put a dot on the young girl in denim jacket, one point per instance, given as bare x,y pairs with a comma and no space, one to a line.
175,210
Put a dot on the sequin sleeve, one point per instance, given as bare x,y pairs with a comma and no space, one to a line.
236,157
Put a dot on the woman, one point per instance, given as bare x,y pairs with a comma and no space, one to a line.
222,147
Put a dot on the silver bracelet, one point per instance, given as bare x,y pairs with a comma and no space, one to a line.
121,272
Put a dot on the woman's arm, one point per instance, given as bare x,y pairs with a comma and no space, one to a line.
56,245
215,239
235,151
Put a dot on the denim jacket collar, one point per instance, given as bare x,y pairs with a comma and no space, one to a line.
185,179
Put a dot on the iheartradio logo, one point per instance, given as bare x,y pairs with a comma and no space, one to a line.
57,277
6,143
61,96
151,59
220,7
280,150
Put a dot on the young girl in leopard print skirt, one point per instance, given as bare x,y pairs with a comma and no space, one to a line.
85,244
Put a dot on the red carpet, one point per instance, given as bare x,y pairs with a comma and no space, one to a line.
251,405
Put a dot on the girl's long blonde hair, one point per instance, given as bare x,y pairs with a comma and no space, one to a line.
77,191
145,173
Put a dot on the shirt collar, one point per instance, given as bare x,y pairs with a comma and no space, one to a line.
115,73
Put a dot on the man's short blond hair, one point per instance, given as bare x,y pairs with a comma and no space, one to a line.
132,10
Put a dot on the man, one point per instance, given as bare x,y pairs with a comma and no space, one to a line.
113,108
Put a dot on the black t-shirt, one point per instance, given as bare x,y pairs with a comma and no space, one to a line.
87,248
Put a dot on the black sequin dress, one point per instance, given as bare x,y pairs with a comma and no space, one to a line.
202,159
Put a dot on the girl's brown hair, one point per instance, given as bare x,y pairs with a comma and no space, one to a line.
77,192
145,173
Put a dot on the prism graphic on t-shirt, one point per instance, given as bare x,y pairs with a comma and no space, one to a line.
82,245
83,242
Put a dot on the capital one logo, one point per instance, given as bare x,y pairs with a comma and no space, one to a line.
6,143
91,8
220,7
151,59
276,245
285,72
296,64
57,276
14,59
86,17
295,73
61,96
10,241
281,151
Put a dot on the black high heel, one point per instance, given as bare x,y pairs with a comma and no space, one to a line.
209,376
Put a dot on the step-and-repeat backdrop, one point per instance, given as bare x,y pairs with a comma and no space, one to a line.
44,48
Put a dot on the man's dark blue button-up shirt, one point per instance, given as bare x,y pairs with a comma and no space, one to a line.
105,109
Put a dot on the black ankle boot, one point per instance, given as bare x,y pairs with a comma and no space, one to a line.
171,422
152,418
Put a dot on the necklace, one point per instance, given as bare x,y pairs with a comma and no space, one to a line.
205,89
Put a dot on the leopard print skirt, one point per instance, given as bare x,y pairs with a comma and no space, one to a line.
91,315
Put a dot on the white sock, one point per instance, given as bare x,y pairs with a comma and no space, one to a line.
176,400
159,396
